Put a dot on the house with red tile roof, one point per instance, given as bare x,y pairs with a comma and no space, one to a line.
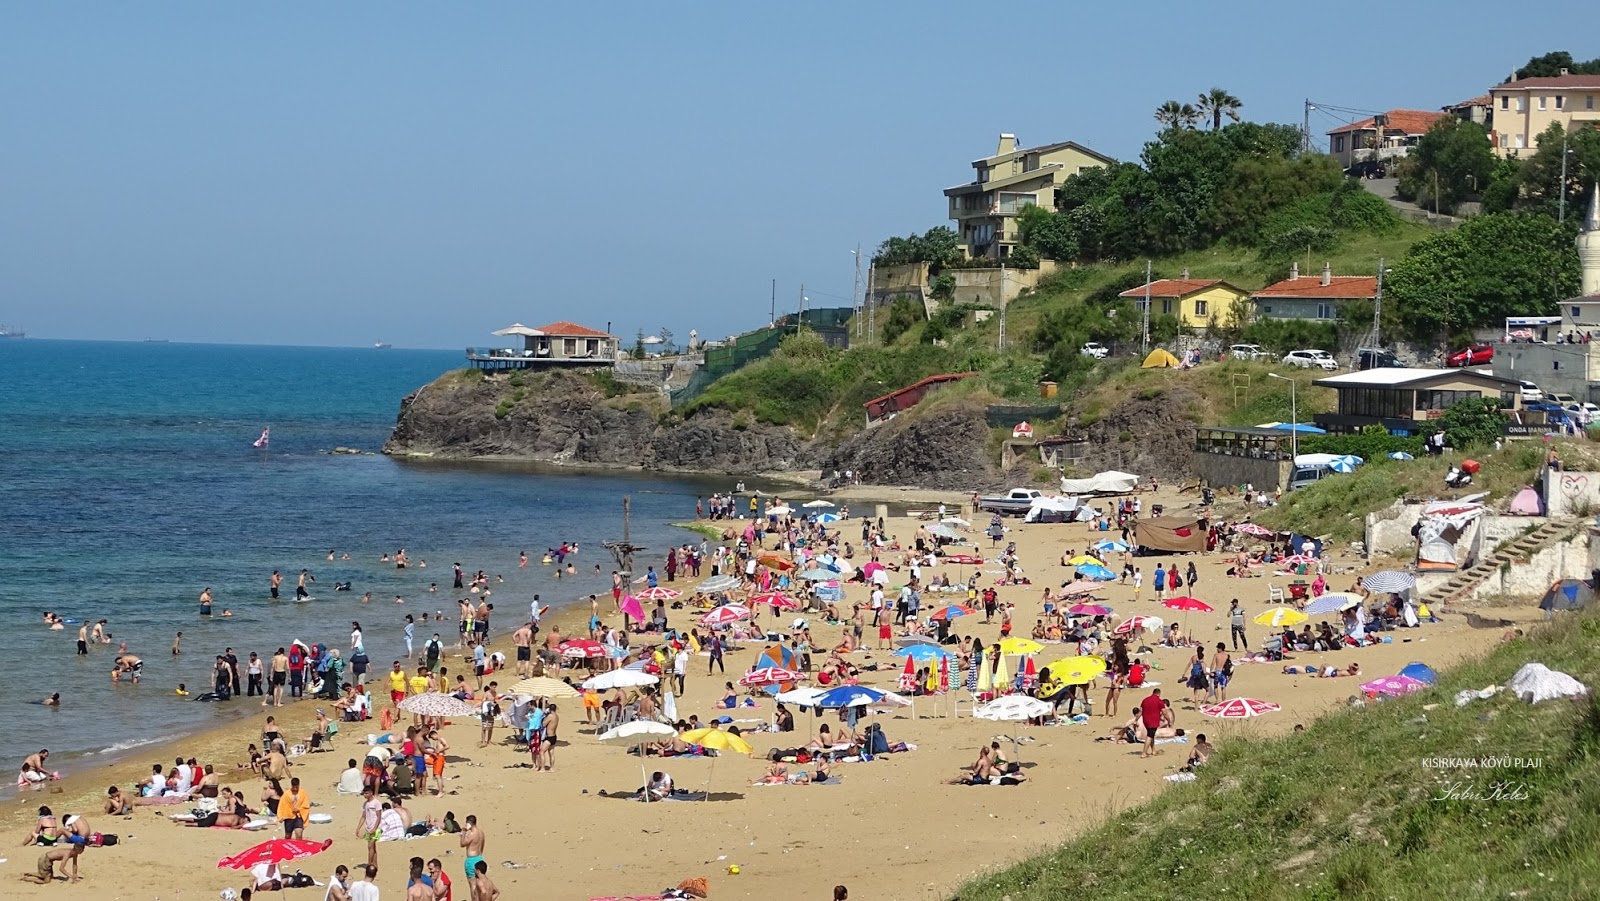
1197,302
559,343
1523,108
1381,137
1312,297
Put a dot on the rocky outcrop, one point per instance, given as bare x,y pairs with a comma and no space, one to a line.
1151,433
944,447
568,417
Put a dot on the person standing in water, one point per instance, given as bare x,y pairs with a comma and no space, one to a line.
274,583
205,602
411,634
300,592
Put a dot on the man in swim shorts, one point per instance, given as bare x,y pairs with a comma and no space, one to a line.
472,841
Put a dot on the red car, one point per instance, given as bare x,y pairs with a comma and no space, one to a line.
1471,355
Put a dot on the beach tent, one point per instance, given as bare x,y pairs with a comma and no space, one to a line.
1526,503
1171,534
775,655
1051,509
1108,482
1568,594
1160,359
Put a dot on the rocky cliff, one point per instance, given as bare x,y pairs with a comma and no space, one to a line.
944,446
574,417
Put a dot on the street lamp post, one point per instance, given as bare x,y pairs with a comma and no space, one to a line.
1294,416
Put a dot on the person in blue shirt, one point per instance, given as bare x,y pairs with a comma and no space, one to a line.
650,576
417,875
1161,581
480,661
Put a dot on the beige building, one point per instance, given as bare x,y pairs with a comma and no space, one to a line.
1523,109
985,210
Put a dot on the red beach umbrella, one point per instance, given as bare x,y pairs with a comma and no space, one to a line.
276,851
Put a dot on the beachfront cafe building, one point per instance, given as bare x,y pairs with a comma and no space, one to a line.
1408,401
557,344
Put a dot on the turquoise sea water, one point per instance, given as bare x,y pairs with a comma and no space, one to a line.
128,483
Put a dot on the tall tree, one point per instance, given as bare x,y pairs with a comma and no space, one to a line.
1452,162
1217,103
1552,63
1539,187
1170,114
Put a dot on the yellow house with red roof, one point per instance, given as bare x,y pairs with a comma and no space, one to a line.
1197,302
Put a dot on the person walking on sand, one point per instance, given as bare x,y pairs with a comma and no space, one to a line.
1138,582
1221,672
472,842
1150,710
1236,625
1160,583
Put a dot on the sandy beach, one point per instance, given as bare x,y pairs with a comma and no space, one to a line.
890,828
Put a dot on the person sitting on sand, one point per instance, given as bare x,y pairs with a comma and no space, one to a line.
979,773
658,788
824,740
1202,752
231,813
116,803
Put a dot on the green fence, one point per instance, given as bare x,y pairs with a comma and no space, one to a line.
752,346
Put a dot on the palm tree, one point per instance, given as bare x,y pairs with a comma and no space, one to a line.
1189,116
1217,103
1170,114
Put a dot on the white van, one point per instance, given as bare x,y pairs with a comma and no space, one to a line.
1310,469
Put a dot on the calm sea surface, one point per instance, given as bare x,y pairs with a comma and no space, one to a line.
128,483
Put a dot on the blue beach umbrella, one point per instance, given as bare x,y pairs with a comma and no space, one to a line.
922,653
1345,463
1400,455
1420,672
1110,545
848,696
1096,572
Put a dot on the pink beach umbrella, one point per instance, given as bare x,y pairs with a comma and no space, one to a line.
1240,708
1393,685
1089,610
722,616
582,648
770,675
1135,624
629,606
1079,589
1250,528
776,601
658,593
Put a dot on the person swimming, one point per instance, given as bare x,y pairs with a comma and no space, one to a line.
53,701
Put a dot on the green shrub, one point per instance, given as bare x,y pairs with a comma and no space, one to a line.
502,409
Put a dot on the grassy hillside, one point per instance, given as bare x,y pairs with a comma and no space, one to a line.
1348,810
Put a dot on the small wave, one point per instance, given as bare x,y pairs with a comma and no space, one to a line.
135,743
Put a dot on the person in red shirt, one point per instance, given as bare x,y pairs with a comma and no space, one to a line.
1136,674
441,882
1150,710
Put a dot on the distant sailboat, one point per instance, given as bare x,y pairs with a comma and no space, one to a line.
262,441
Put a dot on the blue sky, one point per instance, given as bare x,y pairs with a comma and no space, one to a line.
422,174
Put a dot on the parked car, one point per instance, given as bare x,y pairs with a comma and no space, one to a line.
1248,352
1585,412
1560,400
1531,392
1377,358
1310,358
1471,355
1095,349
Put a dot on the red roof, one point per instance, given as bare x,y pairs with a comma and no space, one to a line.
1174,287
1550,81
1404,121
923,383
564,329
1480,100
1310,287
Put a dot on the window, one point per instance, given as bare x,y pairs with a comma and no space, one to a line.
569,347
1542,100
1505,140
1442,400
1200,308
1519,104
1520,141
1166,305
1561,101
1505,101
1327,311
1588,101
1378,403
983,175
1576,312
1338,143
1266,310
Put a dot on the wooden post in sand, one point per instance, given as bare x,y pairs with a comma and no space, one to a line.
622,551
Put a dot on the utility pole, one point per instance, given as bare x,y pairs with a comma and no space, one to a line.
801,315
772,315
622,551
1305,127
1002,304
872,308
855,292
1377,308
1562,216
1145,340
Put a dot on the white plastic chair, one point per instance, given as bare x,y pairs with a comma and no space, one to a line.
1274,594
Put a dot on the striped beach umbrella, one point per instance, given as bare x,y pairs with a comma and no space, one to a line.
728,613
1240,708
1389,581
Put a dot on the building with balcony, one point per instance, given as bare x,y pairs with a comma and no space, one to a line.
1312,297
1408,401
1381,137
1523,109
1009,182
557,344
1197,302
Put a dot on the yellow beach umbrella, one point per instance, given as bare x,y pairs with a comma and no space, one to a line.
544,687
1023,646
984,680
1002,678
1086,560
1077,670
716,740
1281,616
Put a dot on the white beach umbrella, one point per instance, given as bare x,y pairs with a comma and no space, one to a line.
620,678
817,504
637,734
543,687
1013,708
518,328
433,703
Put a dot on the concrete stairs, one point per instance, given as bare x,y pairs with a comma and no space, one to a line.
1518,549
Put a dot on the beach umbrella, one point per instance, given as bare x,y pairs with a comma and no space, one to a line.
1089,610
630,606
955,521
658,593
1333,602
1096,572
953,611
433,703
546,687
1022,646
1002,676
1389,581
773,561
906,641
817,504
1013,708
1078,670
775,654
1240,708
1250,528
1079,589
921,653
1280,616
617,678
1420,672
1110,545
775,600
1345,463
828,518
848,696
1188,604
1294,560
779,511
941,530
1086,560
714,739
944,673
910,670
719,583
1134,624
985,678
873,568
817,574
801,697
582,649
1400,455
1393,685
637,734
728,613
276,851
770,675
